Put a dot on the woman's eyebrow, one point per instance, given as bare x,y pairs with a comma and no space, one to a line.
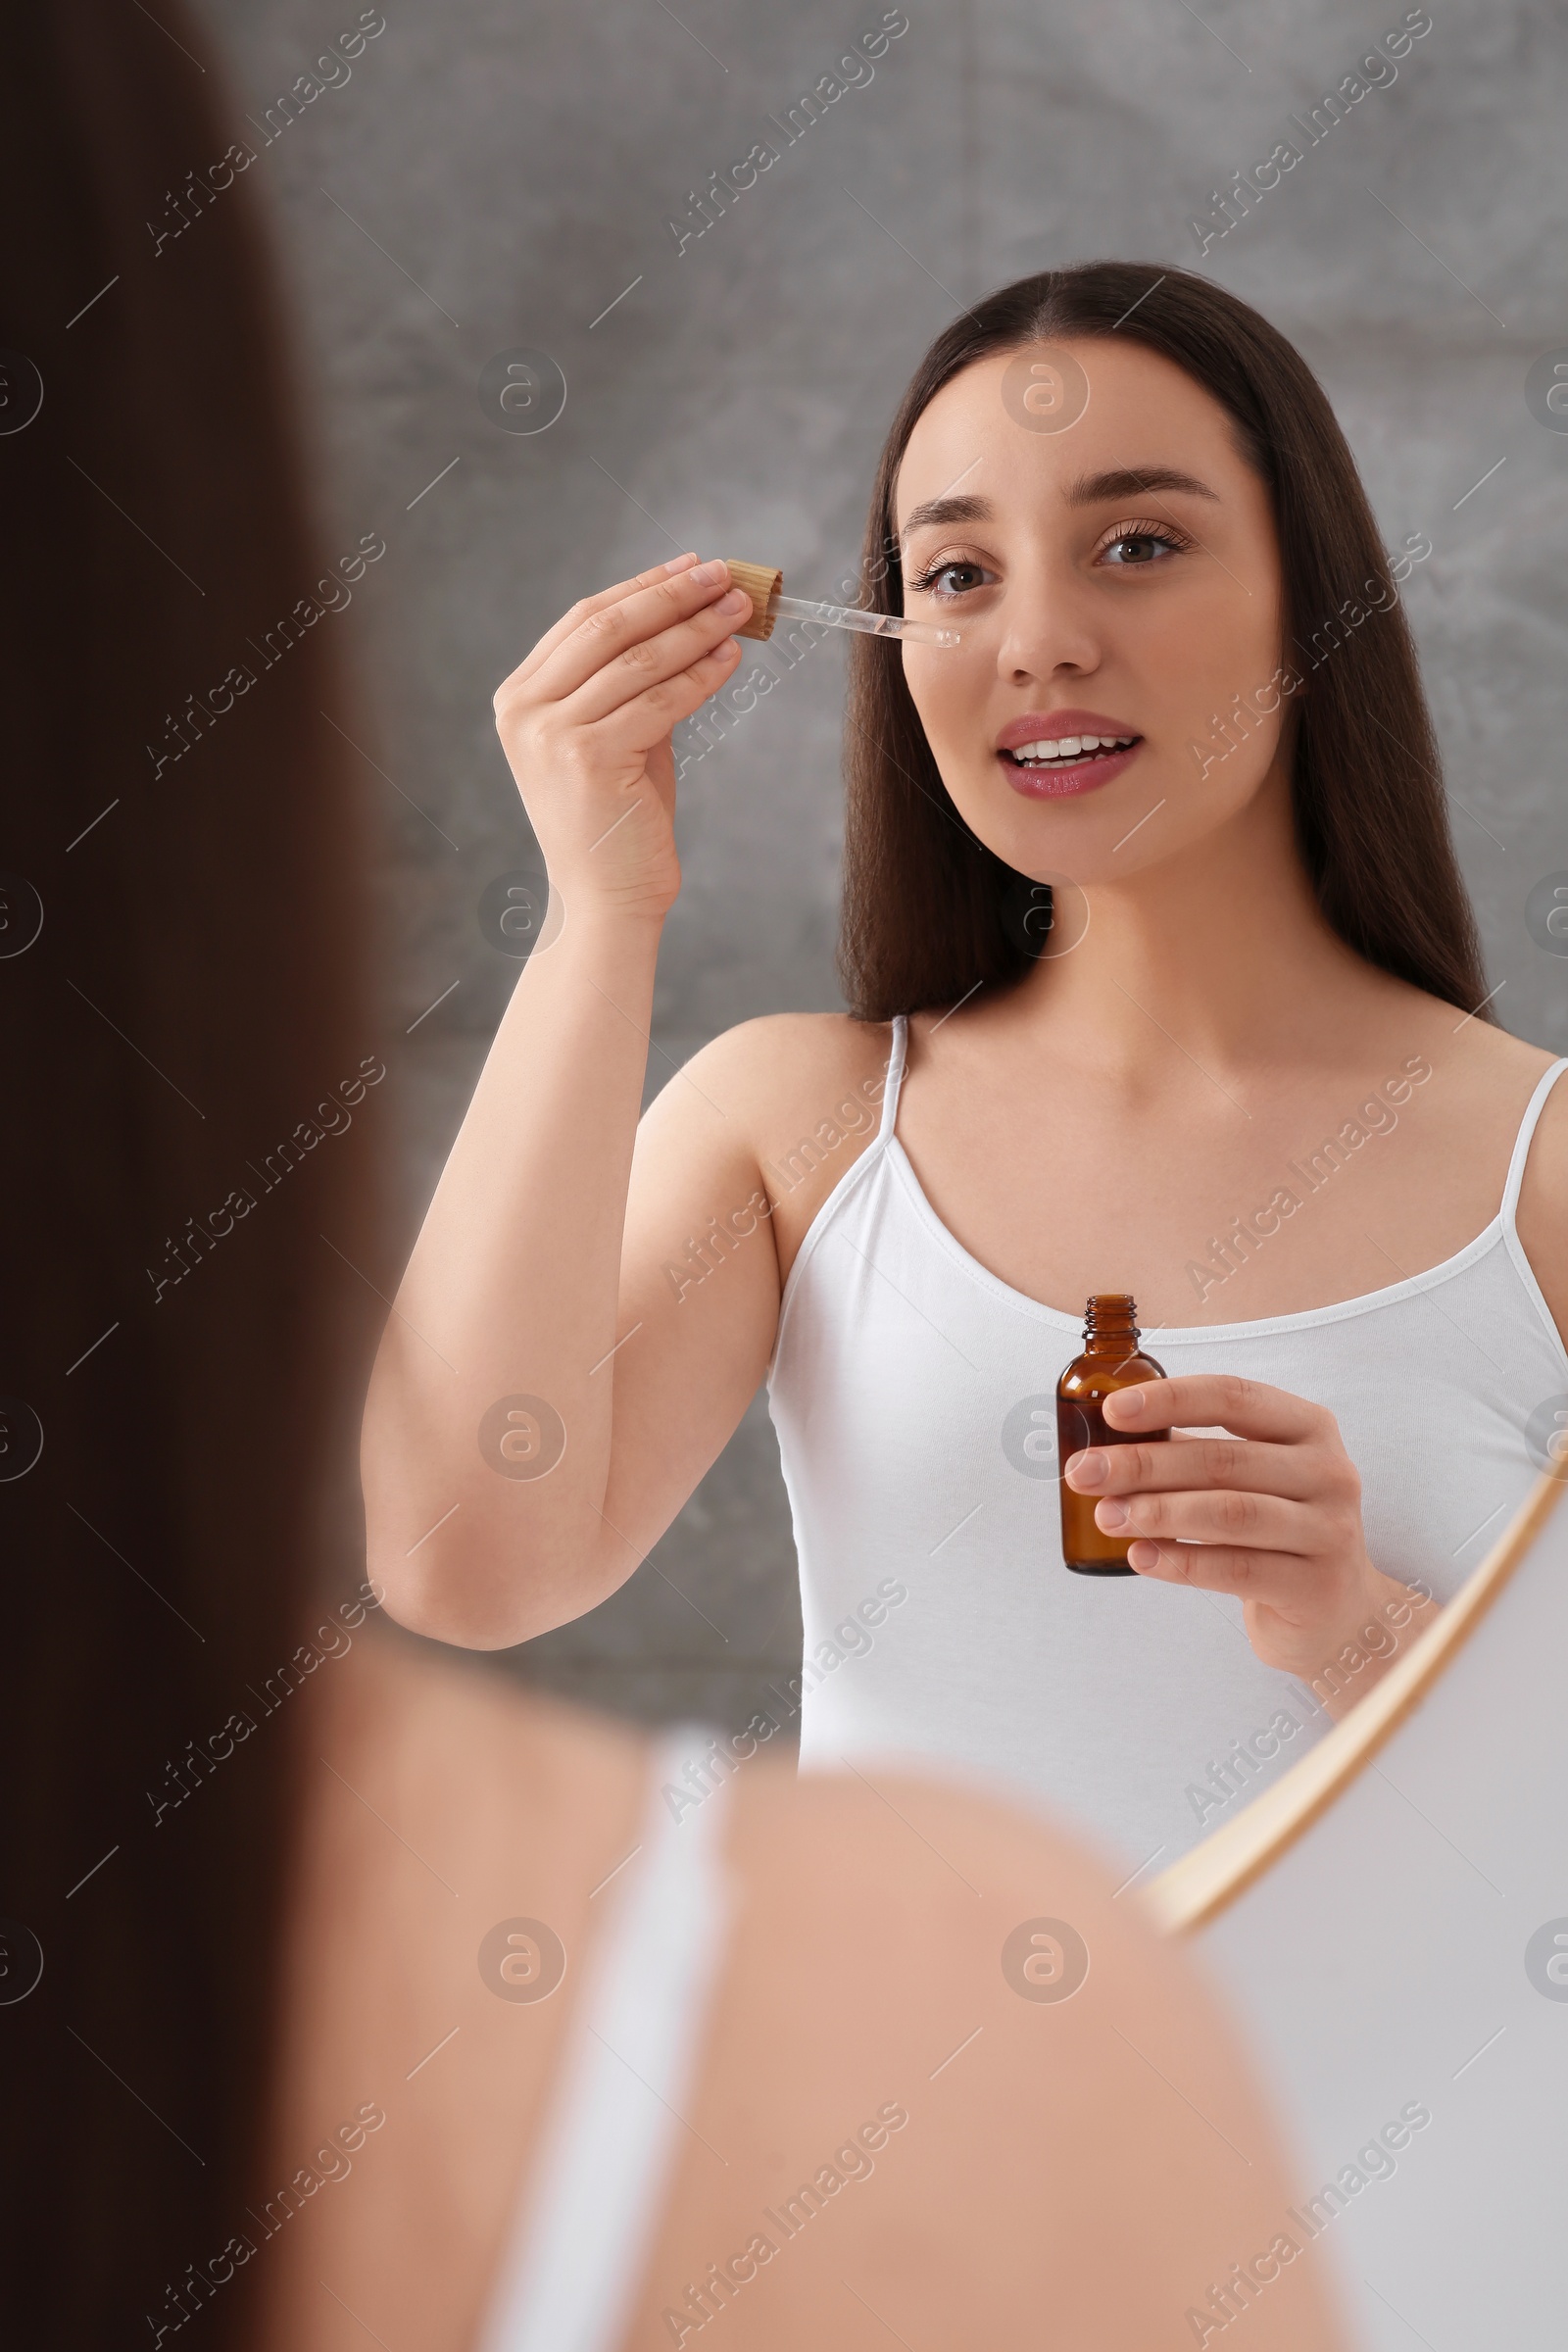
1094,489
949,509
1089,490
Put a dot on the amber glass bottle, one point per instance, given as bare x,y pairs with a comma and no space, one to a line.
1111,1359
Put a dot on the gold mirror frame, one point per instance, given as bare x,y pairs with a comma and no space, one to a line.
1209,1877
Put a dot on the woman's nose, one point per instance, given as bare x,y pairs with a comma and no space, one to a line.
1046,627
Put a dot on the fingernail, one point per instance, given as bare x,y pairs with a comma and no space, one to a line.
1131,1400
708,573
1088,1469
1142,1555
1111,1514
679,563
737,601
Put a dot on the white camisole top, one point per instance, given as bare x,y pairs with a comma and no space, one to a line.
914,1396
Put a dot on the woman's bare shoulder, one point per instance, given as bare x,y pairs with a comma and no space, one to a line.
1378,1011
1496,1050
799,1097
785,1065
919,1973
1541,1216
1488,1078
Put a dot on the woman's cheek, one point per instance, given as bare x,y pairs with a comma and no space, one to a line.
946,702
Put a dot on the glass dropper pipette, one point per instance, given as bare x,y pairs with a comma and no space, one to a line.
763,583
864,624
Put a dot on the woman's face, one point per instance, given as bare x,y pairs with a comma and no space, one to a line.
1114,578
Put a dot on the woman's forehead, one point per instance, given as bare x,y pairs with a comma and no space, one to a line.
1042,419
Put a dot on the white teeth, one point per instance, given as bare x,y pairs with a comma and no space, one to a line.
1071,747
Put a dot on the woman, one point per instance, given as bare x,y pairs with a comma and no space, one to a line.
343,1990
1251,1076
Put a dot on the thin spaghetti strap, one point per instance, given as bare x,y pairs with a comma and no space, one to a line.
601,2173
895,1077
1527,1128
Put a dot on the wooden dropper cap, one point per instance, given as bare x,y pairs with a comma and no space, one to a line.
760,581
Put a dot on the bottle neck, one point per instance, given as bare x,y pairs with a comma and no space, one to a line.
1110,1326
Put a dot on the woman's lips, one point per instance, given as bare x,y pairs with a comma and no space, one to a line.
1085,774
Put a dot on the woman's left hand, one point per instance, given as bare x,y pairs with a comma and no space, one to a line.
1272,1514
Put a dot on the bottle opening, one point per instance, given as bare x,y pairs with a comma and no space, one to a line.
1111,1314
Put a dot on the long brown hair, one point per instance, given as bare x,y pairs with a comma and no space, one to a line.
926,905
191,998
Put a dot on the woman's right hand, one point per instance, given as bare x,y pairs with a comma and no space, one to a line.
585,721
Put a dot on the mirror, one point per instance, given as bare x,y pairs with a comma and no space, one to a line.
1391,1921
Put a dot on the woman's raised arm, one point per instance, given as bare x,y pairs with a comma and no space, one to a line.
514,1355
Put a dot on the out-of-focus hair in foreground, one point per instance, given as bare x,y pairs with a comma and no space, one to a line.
172,1318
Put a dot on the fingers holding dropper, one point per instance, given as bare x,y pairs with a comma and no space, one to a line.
647,642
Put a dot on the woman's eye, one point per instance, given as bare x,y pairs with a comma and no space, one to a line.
951,580
1137,548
